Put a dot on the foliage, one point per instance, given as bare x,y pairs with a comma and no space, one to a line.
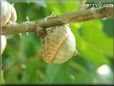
94,40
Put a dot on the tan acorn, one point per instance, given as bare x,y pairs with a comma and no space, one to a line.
13,14
7,15
59,44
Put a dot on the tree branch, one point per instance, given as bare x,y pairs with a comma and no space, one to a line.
78,16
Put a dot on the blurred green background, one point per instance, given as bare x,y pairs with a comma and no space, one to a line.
94,41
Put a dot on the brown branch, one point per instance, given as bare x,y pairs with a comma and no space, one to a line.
78,16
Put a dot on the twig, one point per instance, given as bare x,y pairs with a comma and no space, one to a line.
78,16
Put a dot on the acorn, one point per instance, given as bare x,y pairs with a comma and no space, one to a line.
2,43
7,15
59,44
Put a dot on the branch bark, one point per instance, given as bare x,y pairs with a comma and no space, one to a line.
72,17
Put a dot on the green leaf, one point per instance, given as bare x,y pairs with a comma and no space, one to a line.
59,74
30,74
93,33
62,7
92,54
12,75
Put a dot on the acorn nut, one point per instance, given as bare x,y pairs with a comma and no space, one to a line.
59,44
7,15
